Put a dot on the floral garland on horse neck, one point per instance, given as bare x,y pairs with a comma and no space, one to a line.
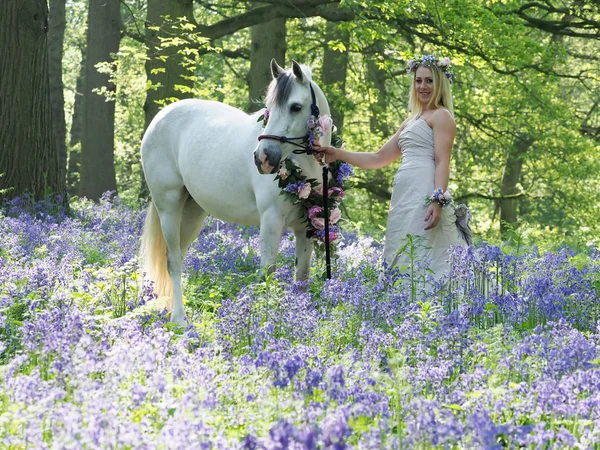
306,191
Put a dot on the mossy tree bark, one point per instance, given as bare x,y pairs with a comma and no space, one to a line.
57,24
97,142
335,66
167,75
28,155
268,41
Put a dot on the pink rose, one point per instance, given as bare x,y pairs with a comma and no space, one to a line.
304,192
313,211
325,122
318,223
283,173
333,236
319,191
336,192
335,215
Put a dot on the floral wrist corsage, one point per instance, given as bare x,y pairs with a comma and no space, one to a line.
439,196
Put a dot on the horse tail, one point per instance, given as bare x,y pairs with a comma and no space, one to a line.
154,256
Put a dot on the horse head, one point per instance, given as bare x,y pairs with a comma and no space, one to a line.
294,103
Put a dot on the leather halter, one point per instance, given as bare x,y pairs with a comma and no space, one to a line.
303,144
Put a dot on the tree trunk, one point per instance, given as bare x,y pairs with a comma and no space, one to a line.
335,65
28,156
268,41
97,144
511,177
74,165
56,39
376,78
165,75
76,120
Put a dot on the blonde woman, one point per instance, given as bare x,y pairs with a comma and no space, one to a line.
421,204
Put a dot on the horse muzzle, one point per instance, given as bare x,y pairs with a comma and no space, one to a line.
267,159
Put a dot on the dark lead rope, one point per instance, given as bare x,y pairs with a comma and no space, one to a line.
326,210
306,149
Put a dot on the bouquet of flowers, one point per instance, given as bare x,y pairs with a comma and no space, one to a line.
306,192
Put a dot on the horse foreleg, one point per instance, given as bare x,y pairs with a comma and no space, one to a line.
271,230
304,250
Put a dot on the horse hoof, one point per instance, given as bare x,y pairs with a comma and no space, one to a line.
180,320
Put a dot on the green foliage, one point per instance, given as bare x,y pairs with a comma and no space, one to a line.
513,77
10,333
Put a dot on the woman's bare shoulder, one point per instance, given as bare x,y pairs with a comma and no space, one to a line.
443,117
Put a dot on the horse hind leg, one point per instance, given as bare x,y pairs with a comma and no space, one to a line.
170,206
191,224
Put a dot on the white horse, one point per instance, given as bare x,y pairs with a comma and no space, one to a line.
198,160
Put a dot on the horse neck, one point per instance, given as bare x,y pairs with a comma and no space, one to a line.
324,109
322,102
309,165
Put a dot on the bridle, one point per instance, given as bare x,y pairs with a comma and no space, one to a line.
303,144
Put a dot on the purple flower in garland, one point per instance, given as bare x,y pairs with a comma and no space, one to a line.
344,171
314,131
300,188
334,233
317,126
314,211
292,188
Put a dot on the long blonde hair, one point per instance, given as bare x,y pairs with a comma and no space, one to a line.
440,97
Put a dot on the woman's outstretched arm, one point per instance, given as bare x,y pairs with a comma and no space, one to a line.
387,154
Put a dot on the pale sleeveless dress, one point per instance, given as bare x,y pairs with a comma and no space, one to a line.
413,181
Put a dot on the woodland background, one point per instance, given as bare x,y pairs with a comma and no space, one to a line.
80,80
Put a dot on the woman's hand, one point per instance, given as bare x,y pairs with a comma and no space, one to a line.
434,212
330,153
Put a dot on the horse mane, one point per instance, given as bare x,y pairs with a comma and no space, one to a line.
280,88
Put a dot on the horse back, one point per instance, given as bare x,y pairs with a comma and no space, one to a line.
207,147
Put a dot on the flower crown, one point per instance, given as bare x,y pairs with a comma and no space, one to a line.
430,60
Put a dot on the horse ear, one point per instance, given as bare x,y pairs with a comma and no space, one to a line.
298,71
276,69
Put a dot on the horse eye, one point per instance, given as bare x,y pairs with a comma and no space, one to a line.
295,107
